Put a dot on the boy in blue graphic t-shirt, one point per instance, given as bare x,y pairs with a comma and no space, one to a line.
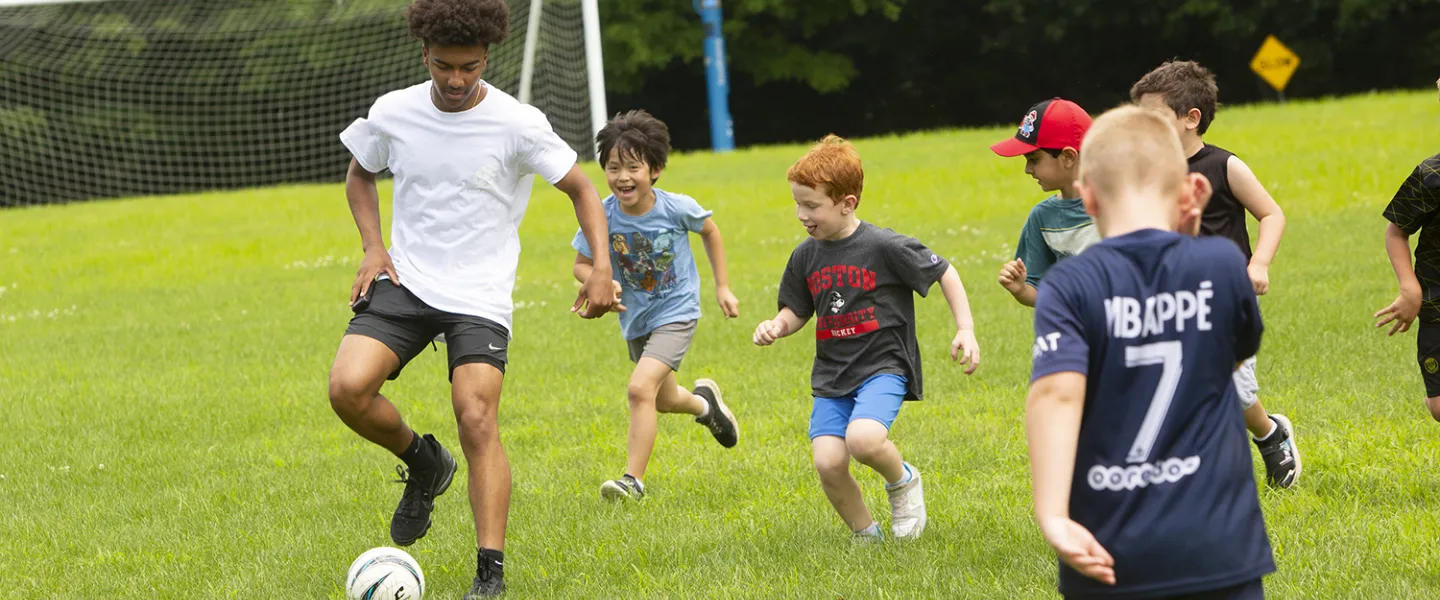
658,286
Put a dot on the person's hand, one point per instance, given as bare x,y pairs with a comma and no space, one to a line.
1402,312
1012,276
729,304
1260,278
768,331
376,262
598,296
966,350
1078,548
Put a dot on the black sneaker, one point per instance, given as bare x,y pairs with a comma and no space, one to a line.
1282,458
489,580
720,421
624,488
412,517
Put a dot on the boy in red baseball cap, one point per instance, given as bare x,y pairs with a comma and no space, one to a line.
1049,139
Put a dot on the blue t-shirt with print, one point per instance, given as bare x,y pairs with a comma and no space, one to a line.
650,257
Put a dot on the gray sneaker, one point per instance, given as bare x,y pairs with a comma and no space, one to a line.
624,488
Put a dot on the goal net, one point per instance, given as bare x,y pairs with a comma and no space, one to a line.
104,99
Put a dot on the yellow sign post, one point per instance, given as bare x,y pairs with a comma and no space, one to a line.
1275,63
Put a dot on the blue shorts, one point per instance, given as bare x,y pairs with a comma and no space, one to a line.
878,399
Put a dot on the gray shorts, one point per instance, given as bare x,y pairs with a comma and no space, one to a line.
1246,384
667,344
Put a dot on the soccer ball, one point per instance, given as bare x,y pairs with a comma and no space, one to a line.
385,574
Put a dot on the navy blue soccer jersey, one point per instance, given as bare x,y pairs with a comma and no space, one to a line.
1157,321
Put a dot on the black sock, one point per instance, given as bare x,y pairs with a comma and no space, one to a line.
493,560
419,456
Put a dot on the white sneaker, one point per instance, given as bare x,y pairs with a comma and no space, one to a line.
907,507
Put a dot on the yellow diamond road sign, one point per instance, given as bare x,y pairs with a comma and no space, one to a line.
1275,63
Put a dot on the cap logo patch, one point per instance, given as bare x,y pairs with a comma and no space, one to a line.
1027,126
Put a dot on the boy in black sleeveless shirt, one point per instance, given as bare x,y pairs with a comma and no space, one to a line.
1186,93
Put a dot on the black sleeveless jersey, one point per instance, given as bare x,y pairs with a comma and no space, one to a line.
1224,215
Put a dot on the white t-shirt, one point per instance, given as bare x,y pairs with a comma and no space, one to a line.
462,183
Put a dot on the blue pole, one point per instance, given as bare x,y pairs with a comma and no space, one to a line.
717,83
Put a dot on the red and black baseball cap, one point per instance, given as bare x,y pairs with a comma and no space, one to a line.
1053,124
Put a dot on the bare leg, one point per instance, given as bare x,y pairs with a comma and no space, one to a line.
832,462
360,368
674,398
475,395
868,441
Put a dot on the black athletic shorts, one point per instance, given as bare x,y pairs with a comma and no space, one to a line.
405,324
1427,342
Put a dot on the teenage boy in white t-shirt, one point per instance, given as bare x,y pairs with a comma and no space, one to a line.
462,154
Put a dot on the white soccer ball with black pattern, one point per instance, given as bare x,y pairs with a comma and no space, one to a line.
385,574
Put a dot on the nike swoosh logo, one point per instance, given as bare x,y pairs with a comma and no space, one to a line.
492,347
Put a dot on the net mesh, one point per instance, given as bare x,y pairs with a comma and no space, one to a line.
140,97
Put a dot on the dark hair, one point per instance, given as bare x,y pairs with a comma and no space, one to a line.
1185,85
459,22
1053,152
636,133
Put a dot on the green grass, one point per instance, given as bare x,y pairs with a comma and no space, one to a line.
184,342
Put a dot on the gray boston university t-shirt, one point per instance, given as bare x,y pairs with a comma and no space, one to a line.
862,292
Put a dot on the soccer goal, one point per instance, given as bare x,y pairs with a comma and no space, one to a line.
114,98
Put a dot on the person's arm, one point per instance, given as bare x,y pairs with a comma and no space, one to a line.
597,296
1054,410
1033,257
715,249
964,348
1052,431
1407,305
583,267
364,202
1257,201
784,324
1012,277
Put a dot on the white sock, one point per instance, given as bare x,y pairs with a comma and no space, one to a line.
1273,428
704,406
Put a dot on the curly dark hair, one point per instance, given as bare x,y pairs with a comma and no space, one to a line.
1185,84
635,133
459,22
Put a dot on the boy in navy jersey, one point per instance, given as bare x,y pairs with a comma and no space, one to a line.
1185,93
1138,457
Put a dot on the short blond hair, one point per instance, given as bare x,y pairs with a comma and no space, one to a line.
1129,150
834,163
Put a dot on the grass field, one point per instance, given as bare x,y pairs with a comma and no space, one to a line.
167,432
